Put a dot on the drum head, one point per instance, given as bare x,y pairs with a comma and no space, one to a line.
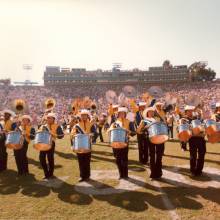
13,146
81,151
211,130
118,145
184,136
159,139
197,130
215,138
42,147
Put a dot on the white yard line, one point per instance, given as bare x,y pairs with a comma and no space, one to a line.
166,201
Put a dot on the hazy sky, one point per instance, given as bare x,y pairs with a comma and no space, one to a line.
95,33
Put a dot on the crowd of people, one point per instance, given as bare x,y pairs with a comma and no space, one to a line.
35,96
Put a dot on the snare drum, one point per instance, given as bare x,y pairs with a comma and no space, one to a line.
158,132
14,140
210,127
184,133
118,138
196,126
81,143
43,141
215,138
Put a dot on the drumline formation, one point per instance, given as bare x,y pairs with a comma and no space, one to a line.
151,124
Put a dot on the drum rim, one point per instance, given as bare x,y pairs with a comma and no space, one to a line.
157,122
119,128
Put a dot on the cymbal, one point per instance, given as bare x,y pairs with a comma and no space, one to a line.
129,91
111,97
156,92
193,100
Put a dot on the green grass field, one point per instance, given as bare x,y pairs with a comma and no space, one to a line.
176,196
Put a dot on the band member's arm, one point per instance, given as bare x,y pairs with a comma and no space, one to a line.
140,127
213,117
73,132
110,110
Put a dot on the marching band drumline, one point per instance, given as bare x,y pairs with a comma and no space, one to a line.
151,124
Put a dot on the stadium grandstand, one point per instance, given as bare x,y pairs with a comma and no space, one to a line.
165,74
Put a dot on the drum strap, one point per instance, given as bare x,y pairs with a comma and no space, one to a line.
147,121
80,129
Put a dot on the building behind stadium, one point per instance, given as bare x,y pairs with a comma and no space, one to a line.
55,76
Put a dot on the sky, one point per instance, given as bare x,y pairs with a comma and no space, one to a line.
94,34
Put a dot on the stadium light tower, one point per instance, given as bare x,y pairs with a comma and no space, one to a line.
27,68
116,67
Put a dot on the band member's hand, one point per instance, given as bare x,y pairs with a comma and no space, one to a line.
53,135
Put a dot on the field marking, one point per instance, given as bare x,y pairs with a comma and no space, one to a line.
53,183
94,187
171,209
211,172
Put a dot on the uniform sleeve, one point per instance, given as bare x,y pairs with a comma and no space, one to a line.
73,132
140,127
60,133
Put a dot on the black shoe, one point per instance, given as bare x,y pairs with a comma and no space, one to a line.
125,178
87,179
51,177
81,180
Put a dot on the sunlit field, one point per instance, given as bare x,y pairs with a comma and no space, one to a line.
176,196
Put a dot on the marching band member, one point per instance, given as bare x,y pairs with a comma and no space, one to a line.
141,137
84,127
94,121
101,123
112,112
121,154
216,115
159,112
56,132
72,121
156,150
170,120
28,133
178,116
7,126
197,143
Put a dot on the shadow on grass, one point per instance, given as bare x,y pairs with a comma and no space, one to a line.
68,156
186,172
11,184
181,195
187,158
37,164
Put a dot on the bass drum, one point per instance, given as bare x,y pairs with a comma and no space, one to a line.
118,138
215,138
210,127
158,133
43,141
81,143
184,133
14,140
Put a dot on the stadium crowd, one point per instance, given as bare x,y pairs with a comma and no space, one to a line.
209,92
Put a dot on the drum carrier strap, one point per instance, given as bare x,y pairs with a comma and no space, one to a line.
79,129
